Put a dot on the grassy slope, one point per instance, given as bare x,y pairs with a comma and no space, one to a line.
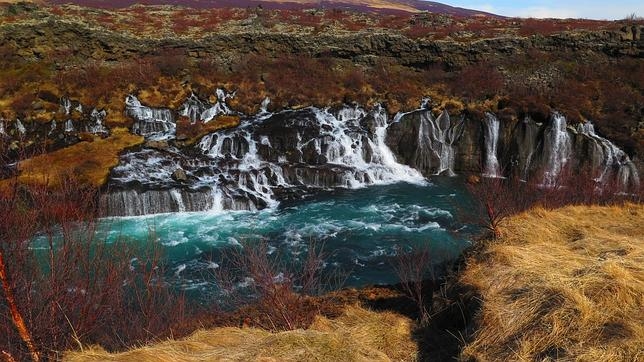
566,284
357,335
90,162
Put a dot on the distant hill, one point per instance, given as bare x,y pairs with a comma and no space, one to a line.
384,6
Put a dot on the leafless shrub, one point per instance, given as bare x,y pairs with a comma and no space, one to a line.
64,286
415,271
276,288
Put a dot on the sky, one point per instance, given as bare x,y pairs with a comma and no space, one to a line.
592,9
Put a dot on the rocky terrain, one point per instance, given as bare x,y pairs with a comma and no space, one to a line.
68,70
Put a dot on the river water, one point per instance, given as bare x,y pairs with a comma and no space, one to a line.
359,230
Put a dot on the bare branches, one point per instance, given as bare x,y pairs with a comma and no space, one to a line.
70,285
414,269
277,287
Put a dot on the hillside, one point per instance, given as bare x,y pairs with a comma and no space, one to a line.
357,335
381,6
562,284
513,68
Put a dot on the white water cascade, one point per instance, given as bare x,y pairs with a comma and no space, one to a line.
609,159
491,141
152,123
266,159
436,138
69,126
557,148
197,110
96,126
387,158
20,127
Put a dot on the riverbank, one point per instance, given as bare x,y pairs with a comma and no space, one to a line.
557,283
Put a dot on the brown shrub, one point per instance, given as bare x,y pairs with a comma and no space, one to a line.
72,286
276,289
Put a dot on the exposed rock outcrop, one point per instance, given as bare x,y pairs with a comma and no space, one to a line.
36,40
273,157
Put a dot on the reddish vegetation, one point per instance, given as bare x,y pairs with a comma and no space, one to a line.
607,91
383,7
74,287
501,198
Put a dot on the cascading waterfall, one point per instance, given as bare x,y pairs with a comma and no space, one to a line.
491,141
263,109
386,156
287,155
52,128
611,162
238,168
66,104
20,127
219,108
69,126
436,139
557,148
197,110
152,123
95,126
2,130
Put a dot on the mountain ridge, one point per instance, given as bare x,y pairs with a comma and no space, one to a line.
381,6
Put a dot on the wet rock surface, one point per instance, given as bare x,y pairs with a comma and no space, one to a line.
291,154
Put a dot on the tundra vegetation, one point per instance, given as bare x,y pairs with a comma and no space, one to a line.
549,282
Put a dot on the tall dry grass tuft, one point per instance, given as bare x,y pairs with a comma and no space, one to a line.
563,284
357,335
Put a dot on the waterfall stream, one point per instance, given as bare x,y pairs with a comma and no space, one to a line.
288,155
557,148
491,141
266,159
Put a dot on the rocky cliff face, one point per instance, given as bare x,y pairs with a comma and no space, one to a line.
274,157
38,39
273,154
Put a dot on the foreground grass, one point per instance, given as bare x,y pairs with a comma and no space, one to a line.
357,335
564,284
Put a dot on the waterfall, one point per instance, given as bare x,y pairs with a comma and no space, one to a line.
178,199
20,127
272,157
95,124
399,171
436,139
266,159
347,145
491,141
263,109
135,203
197,110
219,108
153,123
612,163
66,104
52,127
557,148
2,130
192,108
69,126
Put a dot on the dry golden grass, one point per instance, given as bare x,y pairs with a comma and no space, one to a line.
89,162
565,284
357,335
